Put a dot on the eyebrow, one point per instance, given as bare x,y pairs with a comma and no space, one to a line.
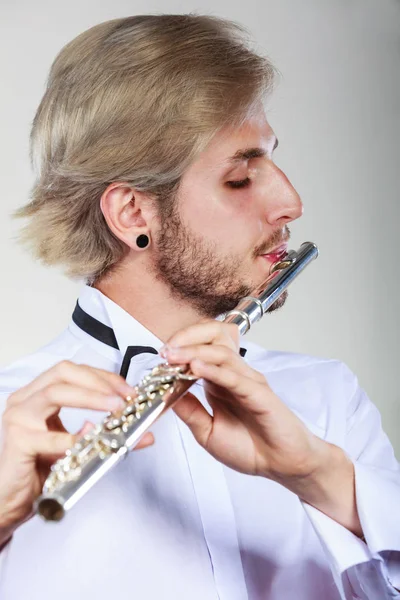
248,153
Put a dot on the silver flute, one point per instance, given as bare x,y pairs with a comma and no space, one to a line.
95,453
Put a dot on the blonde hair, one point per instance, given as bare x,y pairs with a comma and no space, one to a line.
135,100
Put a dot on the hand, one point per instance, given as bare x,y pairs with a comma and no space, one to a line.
33,436
251,429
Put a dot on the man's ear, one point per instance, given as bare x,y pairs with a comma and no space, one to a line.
128,212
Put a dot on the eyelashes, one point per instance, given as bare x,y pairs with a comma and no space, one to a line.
239,184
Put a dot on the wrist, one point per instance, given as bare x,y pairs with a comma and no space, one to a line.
9,523
328,461
331,488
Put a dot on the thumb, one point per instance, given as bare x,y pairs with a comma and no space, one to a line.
87,426
196,417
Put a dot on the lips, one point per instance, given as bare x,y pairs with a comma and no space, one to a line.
277,253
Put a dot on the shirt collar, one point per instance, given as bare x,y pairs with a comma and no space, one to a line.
126,328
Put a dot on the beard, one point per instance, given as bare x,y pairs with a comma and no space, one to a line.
195,274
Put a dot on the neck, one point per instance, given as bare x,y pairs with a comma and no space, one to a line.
148,300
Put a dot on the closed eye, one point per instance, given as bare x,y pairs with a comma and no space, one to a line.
239,184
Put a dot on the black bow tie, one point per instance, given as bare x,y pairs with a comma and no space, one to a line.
130,352
106,334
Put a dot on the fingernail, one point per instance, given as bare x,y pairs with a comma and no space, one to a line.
173,351
115,403
168,350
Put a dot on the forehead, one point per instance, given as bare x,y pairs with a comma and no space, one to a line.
255,132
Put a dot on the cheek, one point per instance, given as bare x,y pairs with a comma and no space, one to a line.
243,216
203,213
227,217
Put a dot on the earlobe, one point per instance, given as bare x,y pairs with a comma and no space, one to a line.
122,209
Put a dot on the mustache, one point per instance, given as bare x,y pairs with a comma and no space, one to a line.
279,237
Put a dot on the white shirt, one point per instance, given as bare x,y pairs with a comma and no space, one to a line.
171,522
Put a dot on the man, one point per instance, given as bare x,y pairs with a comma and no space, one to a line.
273,478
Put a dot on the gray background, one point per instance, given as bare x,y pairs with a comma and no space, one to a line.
336,113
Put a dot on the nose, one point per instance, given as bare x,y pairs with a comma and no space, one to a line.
283,203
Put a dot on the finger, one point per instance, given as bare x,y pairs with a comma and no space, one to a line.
146,441
241,387
193,413
82,375
208,332
217,355
87,426
48,401
47,444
